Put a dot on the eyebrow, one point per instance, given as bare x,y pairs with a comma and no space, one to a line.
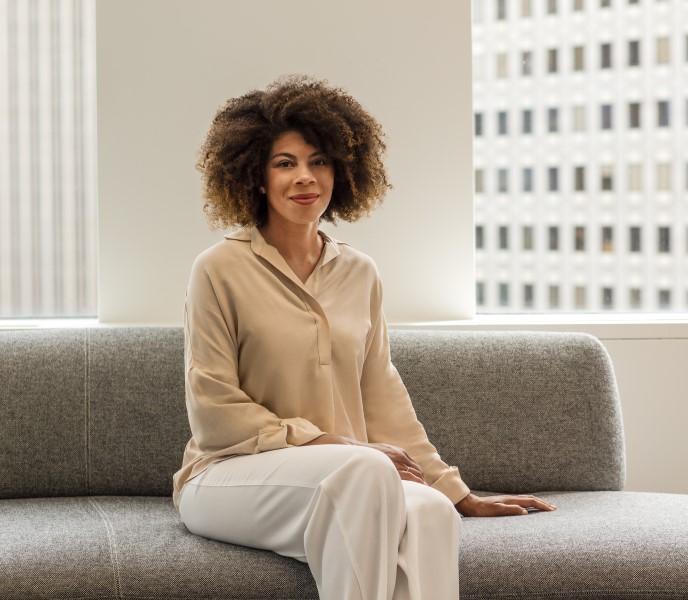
292,157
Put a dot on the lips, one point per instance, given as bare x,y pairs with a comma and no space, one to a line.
304,199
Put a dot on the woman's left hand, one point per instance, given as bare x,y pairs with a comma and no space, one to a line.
500,506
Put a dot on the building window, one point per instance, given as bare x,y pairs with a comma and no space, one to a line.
634,115
607,239
553,238
527,121
663,240
635,298
607,178
605,3
605,56
579,297
502,65
579,179
607,298
663,113
635,177
479,237
606,116
663,51
579,58
503,180
634,53
527,174
634,239
552,60
479,181
551,7
578,5
526,63
553,179
480,293
503,237
553,296
579,239
664,299
501,10
552,120
528,241
503,294
526,8
579,118
502,123
528,295
664,177
478,124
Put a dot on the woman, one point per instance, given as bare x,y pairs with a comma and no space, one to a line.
288,372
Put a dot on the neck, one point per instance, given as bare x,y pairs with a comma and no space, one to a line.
294,242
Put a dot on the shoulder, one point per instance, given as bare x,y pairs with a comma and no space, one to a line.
232,249
353,259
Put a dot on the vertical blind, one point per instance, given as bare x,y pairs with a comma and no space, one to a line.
48,262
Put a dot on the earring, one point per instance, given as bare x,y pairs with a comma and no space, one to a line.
261,189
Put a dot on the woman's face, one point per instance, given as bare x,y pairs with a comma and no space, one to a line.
298,181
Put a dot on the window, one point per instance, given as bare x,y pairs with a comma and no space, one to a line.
606,116
607,178
526,8
579,239
607,239
635,298
553,238
663,240
480,293
578,5
503,237
579,297
553,296
579,179
528,238
579,118
606,56
552,120
526,63
553,179
527,121
635,177
607,298
552,60
479,181
605,3
634,244
527,174
634,115
664,299
634,53
479,237
502,67
48,246
663,53
663,177
478,124
528,295
578,58
504,294
501,10
551,7
502,123
663,113
502,180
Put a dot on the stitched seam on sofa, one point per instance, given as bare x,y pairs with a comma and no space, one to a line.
112,543
588,593
87,408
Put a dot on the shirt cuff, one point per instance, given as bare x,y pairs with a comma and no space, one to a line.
452,486
290,432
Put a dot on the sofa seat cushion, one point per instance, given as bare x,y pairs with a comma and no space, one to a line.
602,545
130,547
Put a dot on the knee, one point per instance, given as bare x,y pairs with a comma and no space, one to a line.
433,508
368,469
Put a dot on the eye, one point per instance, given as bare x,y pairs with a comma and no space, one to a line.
320,162
283,164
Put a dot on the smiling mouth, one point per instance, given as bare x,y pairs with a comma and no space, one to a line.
304,199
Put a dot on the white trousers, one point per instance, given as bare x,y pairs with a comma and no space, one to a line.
365,533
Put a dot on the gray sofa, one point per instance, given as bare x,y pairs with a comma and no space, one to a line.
93,424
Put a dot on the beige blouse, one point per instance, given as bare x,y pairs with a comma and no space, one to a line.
272,362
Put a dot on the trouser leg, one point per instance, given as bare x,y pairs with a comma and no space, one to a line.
343,509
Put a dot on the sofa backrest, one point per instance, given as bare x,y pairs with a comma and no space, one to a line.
101,411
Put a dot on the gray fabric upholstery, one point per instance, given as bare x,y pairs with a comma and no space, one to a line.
99,415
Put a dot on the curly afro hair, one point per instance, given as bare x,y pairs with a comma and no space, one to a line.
233,158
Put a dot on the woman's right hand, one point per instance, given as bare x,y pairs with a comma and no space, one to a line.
408,469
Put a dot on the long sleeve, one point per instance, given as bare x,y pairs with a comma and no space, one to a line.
389,413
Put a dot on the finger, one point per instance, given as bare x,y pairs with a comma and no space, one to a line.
411,476
510,509
529,502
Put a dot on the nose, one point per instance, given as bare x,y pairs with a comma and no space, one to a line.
304,176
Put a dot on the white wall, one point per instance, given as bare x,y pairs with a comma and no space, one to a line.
165,66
